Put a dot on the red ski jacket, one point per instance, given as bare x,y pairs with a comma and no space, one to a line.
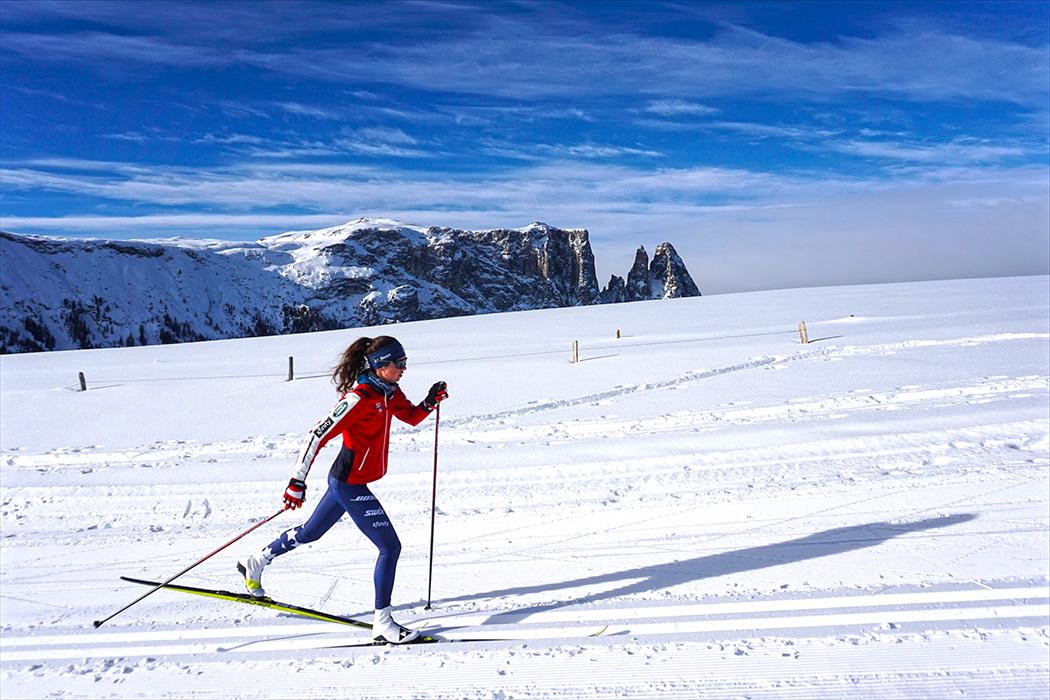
362,416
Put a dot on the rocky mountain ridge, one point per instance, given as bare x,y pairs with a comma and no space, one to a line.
67,293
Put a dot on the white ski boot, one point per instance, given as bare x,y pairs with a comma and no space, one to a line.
252,570
385,630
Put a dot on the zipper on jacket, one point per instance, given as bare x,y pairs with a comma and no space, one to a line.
363,458
386,433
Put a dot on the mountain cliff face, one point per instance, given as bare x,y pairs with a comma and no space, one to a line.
665,278
65,294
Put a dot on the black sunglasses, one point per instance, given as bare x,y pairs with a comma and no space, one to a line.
400,364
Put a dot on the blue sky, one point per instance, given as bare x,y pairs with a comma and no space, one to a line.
774,143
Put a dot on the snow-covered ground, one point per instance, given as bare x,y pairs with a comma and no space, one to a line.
864,516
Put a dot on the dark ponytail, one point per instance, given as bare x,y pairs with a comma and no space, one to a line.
353,362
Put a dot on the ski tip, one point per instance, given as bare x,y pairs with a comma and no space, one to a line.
600,632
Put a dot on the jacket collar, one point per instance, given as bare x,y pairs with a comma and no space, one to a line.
373,382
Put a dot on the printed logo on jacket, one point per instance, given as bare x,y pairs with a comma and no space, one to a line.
320,430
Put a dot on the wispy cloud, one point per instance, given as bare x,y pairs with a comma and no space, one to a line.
310,110
807,132
114,49
675,108
385,135
56,96
912,62
228,139
228,24
86,165
133,136
889,147
380,141
960,150
588,185
592,150
284,149
737,62
778,131
544,151
242,110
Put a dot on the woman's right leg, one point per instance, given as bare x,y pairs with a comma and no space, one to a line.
325,515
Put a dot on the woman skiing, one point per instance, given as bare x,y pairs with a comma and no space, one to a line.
366,378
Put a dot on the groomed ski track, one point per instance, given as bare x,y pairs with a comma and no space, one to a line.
798,617
780,648
866,517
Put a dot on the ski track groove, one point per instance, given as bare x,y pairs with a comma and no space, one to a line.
964,607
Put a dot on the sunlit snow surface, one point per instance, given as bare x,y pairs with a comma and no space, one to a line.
865,516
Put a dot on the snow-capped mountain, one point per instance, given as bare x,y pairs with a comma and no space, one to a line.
65,294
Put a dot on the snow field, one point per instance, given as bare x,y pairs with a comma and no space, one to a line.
864,516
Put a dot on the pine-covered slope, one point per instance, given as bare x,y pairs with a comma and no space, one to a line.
65,293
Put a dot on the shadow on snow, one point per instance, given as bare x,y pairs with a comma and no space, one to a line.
649,578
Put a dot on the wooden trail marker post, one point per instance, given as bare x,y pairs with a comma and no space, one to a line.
802,334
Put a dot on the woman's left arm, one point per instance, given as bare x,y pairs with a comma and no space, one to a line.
412,414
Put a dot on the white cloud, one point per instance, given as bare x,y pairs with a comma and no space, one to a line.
908,64
288,150
778,131
384,134
241,110
228,139
960,150
114,49
588,184
911,61
590,150
310,111
380,141
132,136
103,166
674,108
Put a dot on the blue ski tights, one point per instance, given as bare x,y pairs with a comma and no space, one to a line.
367,513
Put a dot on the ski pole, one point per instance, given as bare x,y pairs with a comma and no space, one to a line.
433,504
99,623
